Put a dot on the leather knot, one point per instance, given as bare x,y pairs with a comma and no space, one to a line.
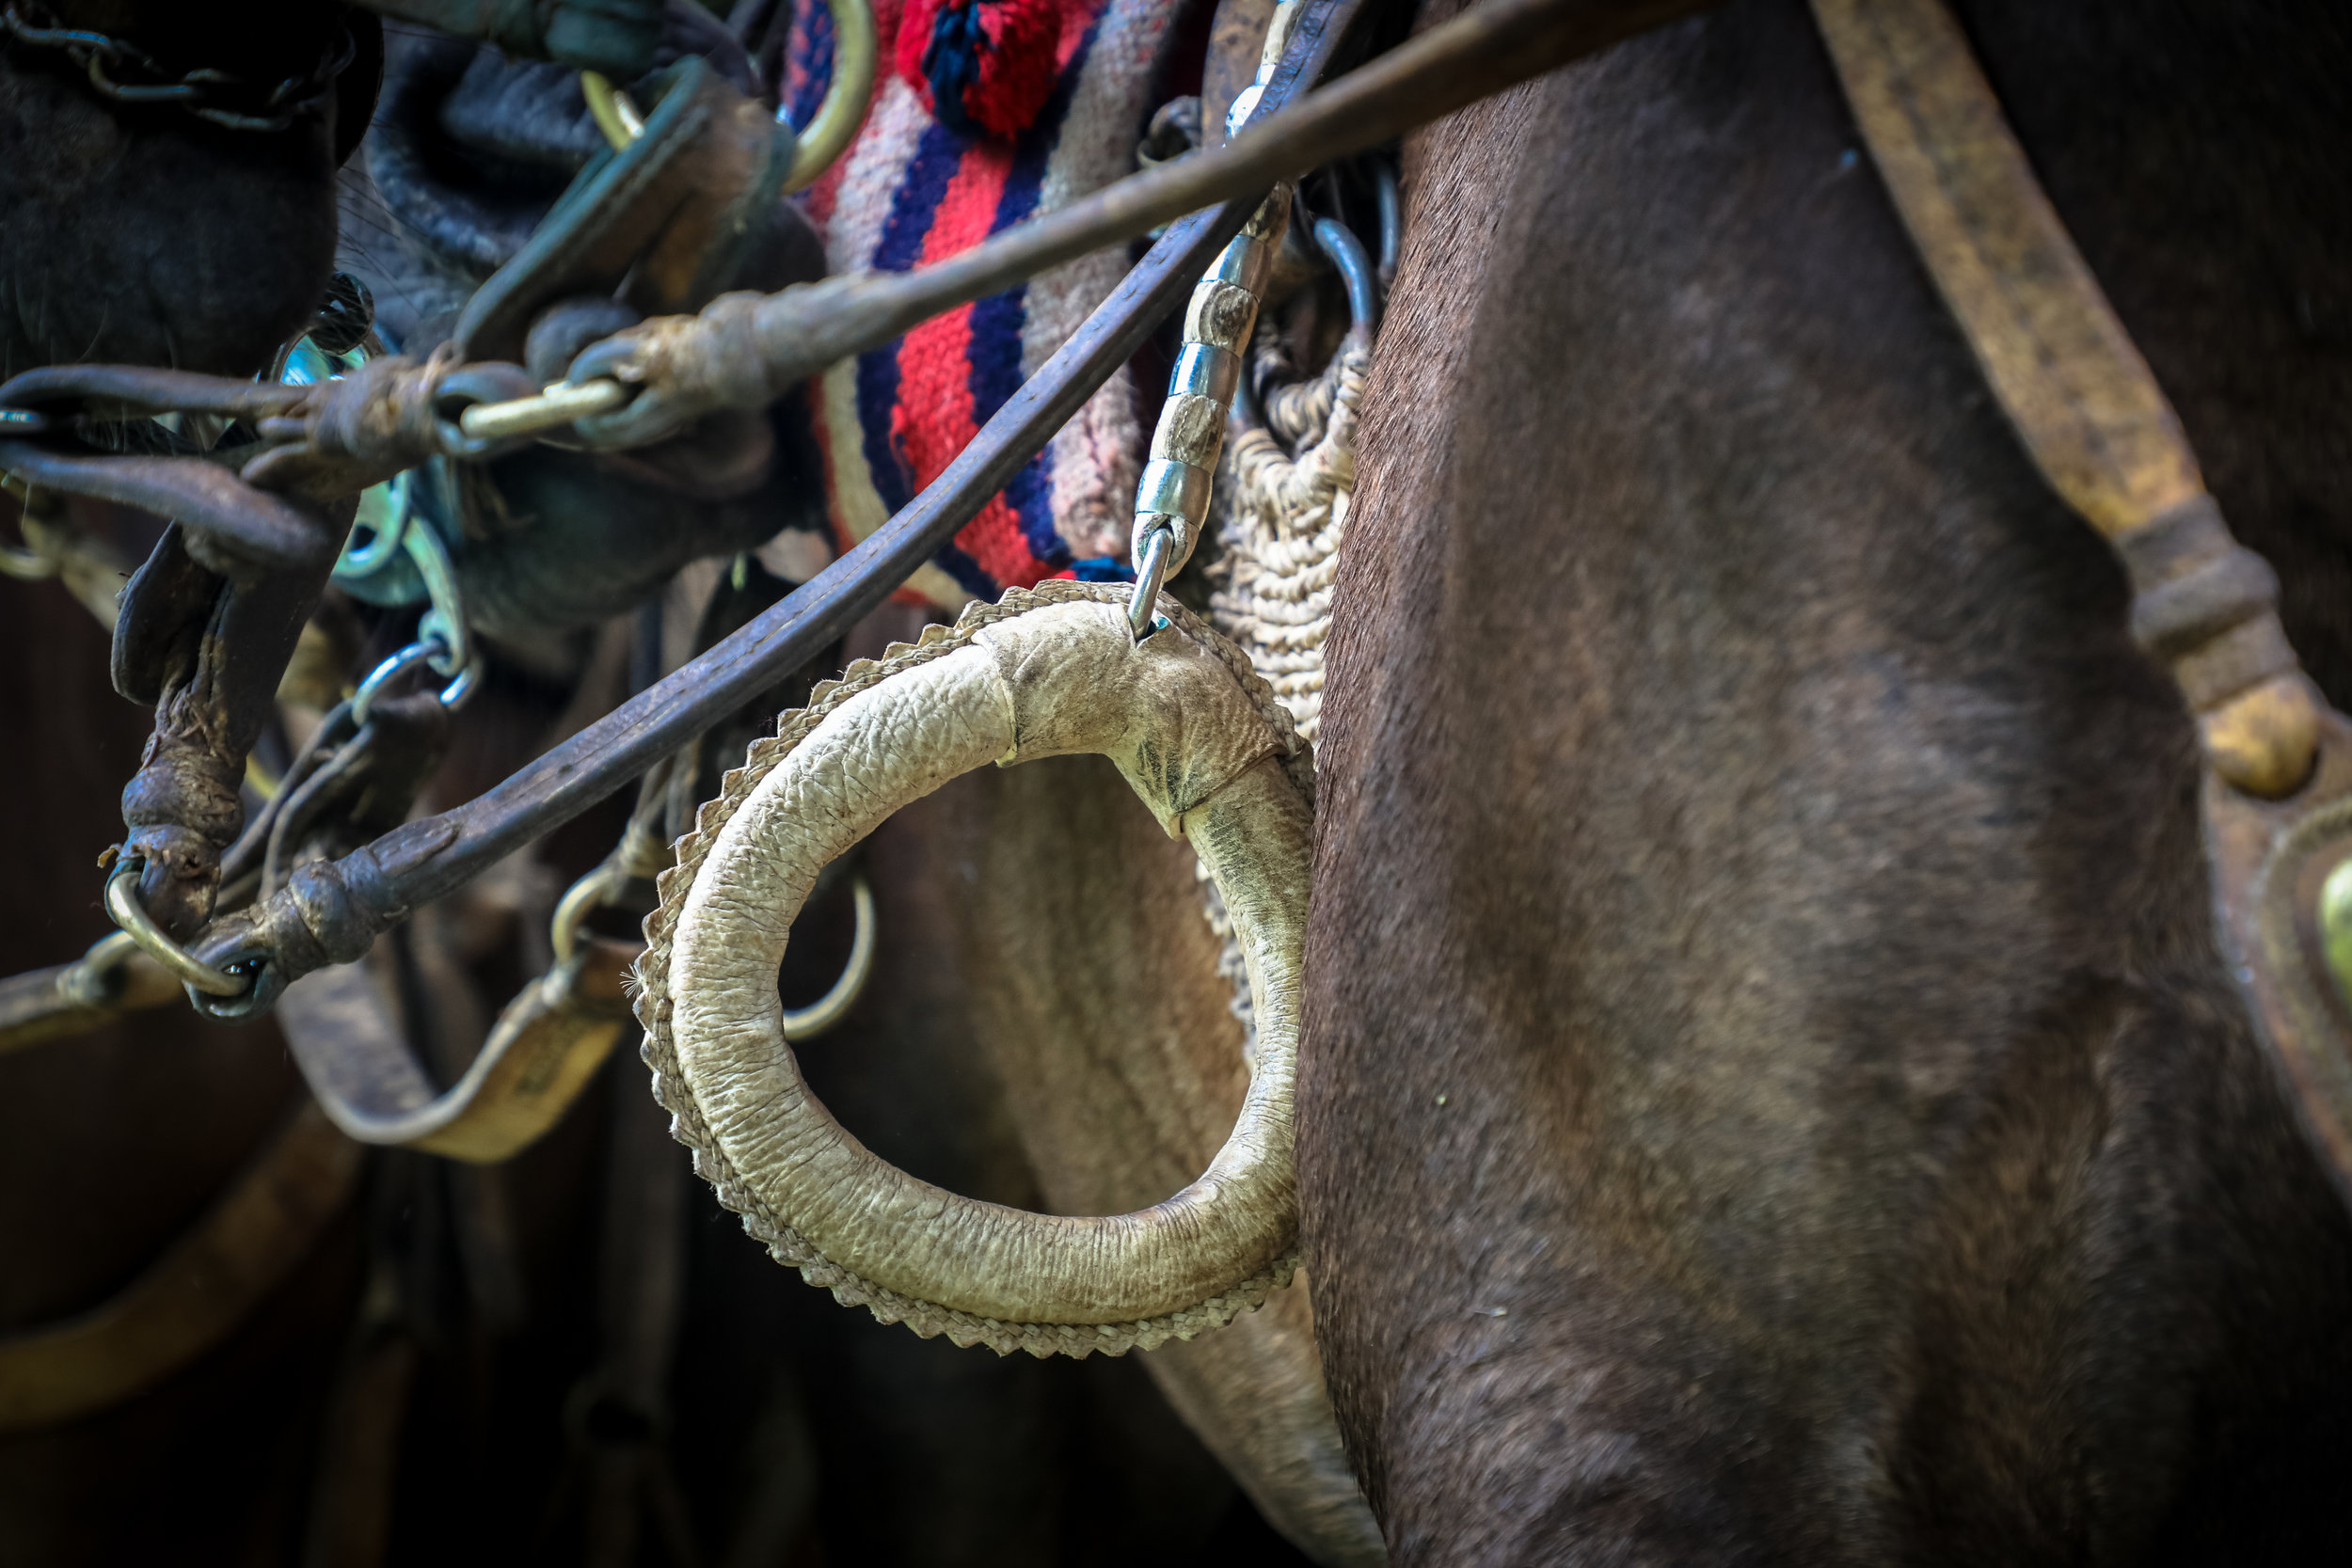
360,430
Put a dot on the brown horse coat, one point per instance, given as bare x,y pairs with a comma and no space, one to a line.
1769,1091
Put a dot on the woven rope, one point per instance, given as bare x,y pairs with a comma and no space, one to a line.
1271,585
687,1125
1298,411
1271,589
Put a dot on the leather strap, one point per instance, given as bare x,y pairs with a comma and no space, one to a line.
667,219
192,1297
2278,799
2072,382
547,1045
65,1000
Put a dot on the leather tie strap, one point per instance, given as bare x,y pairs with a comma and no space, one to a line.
196,1294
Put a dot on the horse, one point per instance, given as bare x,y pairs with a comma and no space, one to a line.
1770,1091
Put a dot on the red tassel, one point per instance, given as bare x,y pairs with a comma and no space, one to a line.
983,67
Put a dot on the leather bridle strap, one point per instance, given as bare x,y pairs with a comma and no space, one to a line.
196,1294
2073,382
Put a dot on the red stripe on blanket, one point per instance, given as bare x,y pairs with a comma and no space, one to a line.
933,419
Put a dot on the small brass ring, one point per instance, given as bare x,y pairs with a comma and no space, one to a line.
834,126
90,980
801,1023
122,903
615,114
109,951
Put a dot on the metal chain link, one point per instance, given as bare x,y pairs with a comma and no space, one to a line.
104,58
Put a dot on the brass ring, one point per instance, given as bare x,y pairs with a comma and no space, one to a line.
801,1023
834,126
90,981
122,903
557,405
583,896
615,114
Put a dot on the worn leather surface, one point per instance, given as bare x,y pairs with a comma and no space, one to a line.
542,1053
182,807
472,153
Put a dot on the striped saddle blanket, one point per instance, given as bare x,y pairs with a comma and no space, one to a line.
986,113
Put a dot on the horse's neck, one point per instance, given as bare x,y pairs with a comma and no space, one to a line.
2196,150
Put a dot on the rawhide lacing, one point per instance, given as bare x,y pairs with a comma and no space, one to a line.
1271,585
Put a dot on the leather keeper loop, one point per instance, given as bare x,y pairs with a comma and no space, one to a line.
2244,655
2173,619
2174,542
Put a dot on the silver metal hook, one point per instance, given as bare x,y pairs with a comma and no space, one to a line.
1143,604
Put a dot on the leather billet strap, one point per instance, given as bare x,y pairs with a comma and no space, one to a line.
2073,382
193,1296
2277,795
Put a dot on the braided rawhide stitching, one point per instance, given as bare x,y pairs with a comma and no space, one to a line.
1271,588
656,1008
